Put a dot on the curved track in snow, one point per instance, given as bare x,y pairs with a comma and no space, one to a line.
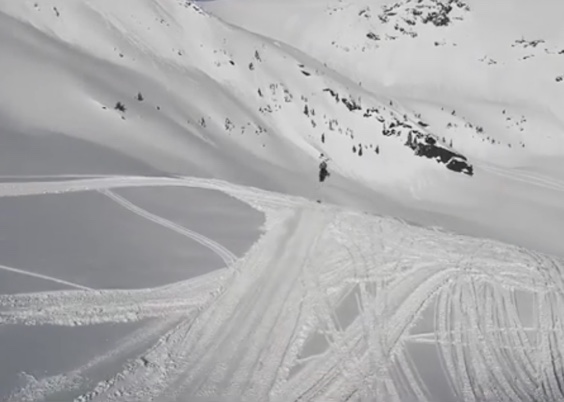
328,304
227,256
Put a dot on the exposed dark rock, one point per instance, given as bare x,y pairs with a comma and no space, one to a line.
460,166
453,161
351,104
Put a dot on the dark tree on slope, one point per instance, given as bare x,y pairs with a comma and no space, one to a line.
323,172
377,149
323,138
360,150
354,149
120,107
140,97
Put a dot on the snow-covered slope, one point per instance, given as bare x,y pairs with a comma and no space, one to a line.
219,101
497,67
204,85
137,138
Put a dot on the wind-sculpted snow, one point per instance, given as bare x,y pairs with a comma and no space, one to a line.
328,305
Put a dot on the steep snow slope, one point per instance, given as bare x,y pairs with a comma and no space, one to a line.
499,66
218,66
502,113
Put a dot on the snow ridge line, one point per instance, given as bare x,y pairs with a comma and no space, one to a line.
45,277
227,256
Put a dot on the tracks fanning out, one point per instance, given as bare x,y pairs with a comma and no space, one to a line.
328,305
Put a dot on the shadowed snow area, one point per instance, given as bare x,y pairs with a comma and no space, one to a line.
43,153
107,247
50,350
212,213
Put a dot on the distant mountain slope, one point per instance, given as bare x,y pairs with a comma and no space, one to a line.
486,76
162,87
198,83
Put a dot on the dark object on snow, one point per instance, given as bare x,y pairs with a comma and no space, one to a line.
452,160
323,172
120,107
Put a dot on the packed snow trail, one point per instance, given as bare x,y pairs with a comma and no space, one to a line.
239,332
328,304
79,308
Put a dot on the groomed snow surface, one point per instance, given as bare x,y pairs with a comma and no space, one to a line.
327,305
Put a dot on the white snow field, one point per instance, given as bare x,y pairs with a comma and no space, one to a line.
164,235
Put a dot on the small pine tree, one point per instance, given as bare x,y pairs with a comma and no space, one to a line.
323,138
120,107
354,149
140,97
360,150
377,149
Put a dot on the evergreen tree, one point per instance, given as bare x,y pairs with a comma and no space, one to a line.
121,107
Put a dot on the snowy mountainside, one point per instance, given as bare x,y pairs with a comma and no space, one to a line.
162,46
437,58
